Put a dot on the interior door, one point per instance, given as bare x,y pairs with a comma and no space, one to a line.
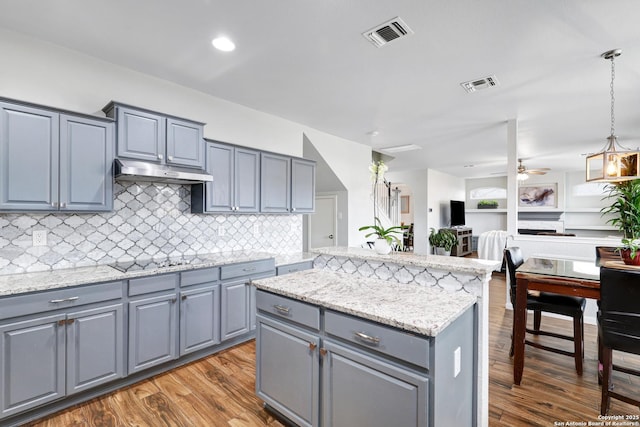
323,223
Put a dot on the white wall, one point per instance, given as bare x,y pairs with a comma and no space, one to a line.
43,73
417,181
441,188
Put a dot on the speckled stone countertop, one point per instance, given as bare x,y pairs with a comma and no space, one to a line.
410,307
449,263
53,279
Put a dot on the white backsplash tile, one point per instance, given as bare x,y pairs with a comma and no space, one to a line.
148,220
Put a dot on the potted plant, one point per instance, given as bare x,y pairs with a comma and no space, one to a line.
625,211
488,204
384,236
443,241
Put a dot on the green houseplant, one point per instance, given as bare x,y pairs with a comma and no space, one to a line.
488,204
625,211
443,239
381,233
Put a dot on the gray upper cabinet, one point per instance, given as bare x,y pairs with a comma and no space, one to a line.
303,186
275,183
141,135
86,162
155,137
29,152
185,143
235,186
51,161
287,184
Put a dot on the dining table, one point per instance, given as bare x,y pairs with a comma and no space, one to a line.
560,276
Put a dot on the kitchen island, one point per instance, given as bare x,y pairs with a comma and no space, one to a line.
450,274
366,351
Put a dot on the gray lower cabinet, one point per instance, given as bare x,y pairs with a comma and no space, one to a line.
235,186
199,318
234,310
386,395
292,268
72,343
95,347
153,331
288,371
238,296
33,363
51,161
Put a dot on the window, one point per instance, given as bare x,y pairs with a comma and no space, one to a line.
482,193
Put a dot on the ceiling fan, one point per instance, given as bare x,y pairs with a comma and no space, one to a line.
523,172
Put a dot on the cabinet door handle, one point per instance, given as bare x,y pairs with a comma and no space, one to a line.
281,308
61,322
173,300
184,297
160,157
293,209
170,158
58,301
54,204
312,346
367,338
63,205
323,352
70,321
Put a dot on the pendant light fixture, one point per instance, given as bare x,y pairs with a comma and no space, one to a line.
613,163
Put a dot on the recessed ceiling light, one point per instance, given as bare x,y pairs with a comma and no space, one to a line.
400,148
223,44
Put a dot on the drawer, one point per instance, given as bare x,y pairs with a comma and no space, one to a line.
203,275
292,268
159,282
39,302
287,308
250,269
392,342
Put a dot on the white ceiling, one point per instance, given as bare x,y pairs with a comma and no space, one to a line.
307,61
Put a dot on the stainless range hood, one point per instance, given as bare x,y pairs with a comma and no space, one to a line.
135,170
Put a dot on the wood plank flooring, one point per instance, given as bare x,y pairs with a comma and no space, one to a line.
219,390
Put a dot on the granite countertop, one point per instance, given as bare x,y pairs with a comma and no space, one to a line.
449,263
411,307
12,284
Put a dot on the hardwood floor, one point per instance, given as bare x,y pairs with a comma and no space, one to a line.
219,390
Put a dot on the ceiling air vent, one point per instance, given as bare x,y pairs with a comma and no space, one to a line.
477,84
385,33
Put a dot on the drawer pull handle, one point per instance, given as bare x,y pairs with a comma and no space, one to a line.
58,301
293,270
249,269
367,338
281,308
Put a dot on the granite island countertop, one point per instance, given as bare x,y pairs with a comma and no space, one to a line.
449,263
410,307
13,284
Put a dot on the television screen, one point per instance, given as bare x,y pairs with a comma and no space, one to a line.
457,213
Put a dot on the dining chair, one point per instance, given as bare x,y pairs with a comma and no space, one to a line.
550,303
618,327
